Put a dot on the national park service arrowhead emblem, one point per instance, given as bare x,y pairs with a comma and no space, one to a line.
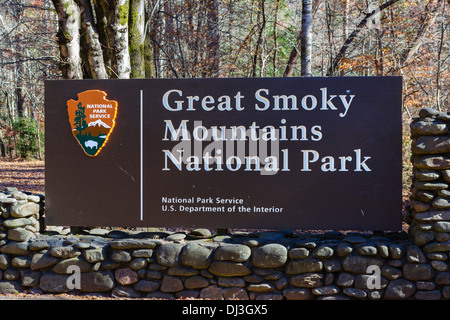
92,119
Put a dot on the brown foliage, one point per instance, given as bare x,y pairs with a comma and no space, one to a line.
24,175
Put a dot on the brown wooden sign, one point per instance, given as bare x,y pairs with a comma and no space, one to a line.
302,153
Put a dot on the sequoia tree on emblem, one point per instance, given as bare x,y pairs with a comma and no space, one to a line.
92,120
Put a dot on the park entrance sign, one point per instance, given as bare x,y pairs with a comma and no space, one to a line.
299,153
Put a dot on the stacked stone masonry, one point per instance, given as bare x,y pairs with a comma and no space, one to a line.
251,266
430,197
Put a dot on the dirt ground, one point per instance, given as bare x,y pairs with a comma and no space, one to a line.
24,175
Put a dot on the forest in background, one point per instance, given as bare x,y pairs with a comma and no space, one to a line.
82,39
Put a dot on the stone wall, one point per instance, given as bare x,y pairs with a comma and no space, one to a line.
250,266
430,193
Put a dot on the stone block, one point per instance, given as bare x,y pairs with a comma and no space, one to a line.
270,256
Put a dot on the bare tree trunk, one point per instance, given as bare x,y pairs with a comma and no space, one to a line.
166,33
345,20
153,33
330,35
69,38
120,26
20,103
295,53
438,72
9,108
20,94
275,38
213,37
345,24
137,37
91,42
148,47
38,129
2,149
306,40
105,16
292,62
262,26
102,38
11,119
379,56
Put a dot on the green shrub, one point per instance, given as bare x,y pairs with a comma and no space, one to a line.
27,143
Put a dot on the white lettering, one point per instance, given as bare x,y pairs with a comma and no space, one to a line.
262,99
305,102
360,164
166,100
175,161
326,102
346,104
176,133
285,100
306,159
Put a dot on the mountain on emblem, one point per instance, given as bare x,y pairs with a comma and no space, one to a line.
92,120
